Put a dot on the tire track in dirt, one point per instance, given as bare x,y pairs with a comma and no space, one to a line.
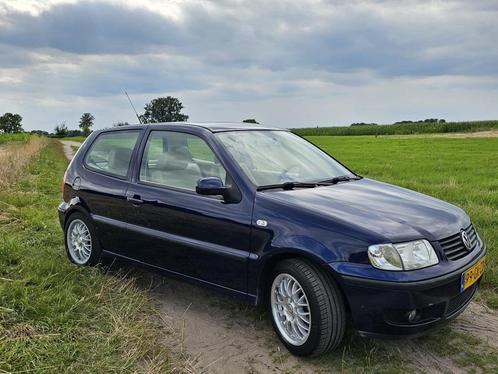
222,335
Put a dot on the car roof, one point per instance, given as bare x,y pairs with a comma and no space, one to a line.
211,126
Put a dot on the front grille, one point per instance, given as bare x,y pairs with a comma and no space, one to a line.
453,246
458,302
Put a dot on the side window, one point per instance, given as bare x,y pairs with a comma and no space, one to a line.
179,160
111,152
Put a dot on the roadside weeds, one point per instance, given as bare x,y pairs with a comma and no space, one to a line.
14,159
54,316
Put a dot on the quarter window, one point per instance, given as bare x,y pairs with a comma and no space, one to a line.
111,152
178,160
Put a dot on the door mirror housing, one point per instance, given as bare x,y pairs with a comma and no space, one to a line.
210,186
214,186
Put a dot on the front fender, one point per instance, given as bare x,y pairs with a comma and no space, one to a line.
260,267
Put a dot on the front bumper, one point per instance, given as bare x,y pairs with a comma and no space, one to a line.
382,308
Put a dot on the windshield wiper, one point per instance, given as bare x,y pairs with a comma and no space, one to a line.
341,178
292,185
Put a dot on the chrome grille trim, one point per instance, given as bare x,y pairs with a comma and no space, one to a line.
453,246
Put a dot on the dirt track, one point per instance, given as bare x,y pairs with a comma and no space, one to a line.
220,335
67,146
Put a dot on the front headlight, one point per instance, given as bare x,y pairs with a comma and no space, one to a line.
402,256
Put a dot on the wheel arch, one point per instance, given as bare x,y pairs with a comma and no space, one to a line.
75,205
269,263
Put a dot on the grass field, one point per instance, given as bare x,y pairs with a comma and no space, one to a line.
80,139
55,317
461,171
20,137
399,129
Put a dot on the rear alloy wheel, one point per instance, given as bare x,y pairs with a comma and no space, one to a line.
81,244
307,308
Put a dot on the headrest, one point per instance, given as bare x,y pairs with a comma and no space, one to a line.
175,159
119,158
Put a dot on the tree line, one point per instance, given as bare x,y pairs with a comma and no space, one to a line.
161,109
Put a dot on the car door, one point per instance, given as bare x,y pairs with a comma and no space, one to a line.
104,180
176,229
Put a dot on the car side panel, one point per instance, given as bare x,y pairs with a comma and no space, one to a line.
102,196
197,236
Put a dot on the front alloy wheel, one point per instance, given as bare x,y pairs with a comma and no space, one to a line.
307,308
290,309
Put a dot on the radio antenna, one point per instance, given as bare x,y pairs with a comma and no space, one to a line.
133,106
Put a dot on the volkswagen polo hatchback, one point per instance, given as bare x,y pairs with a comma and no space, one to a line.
267,217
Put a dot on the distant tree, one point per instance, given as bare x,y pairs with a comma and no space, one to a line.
442,121
10,123
251,120
164,109
119,124
74,133
61,129
86,123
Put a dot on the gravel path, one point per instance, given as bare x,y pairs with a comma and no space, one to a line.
67,146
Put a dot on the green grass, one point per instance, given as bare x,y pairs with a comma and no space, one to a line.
80,139
54,316
400,129
461,171
8,138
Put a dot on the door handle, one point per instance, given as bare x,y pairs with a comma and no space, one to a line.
135,199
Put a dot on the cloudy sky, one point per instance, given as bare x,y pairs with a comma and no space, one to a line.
285,63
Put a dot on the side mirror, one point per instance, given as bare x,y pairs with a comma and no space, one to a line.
215,186
210,186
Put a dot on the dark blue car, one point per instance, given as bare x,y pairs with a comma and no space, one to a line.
265,216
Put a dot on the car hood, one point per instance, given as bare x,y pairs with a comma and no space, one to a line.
394,213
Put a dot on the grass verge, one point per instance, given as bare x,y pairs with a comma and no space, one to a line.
14,158
54,316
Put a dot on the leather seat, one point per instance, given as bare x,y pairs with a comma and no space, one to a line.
176,168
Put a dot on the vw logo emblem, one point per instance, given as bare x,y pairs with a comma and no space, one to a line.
466,240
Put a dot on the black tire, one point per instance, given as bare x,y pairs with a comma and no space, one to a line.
328,314
96,250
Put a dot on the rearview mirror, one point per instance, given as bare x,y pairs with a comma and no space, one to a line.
210,186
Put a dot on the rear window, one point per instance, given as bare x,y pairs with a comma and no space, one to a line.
111,152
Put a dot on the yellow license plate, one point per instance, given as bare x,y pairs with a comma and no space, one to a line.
472,275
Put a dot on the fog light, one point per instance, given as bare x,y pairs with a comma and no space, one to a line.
411,315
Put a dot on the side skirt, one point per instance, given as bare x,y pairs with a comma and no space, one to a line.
248,298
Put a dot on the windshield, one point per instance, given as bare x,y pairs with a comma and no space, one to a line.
275,157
